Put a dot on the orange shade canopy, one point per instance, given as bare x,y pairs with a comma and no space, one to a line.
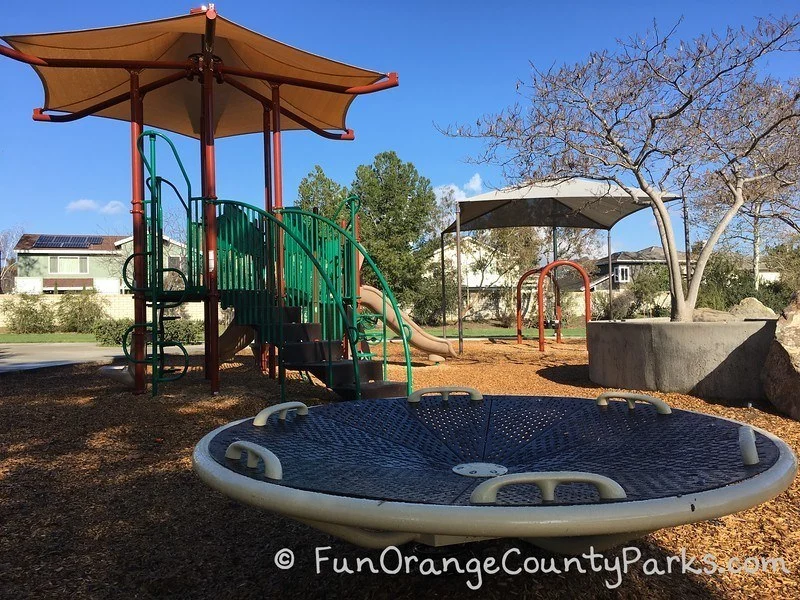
317,91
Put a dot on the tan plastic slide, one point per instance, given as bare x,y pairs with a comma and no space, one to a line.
234,339
420,339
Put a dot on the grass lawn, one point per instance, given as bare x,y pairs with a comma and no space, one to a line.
46,338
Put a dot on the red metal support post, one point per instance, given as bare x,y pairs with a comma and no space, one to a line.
277,200
522,279
277,179
277,159
268,364
209,191
139,235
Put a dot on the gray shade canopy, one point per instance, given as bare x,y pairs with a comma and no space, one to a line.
582,203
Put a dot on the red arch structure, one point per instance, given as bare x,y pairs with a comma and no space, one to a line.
544,272
540,294
519,298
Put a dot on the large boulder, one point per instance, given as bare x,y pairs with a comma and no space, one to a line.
710,315
752,308
781,372
747,309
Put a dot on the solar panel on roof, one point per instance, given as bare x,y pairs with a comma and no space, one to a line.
76,242
67,241
43,241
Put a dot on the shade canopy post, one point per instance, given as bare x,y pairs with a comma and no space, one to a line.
209,193
444,287
458,281
268,357
139,236
610,277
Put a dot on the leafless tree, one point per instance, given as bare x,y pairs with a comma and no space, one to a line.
8,257
770,214
650,113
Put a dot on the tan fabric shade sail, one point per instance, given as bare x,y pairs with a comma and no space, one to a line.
582,203
176,107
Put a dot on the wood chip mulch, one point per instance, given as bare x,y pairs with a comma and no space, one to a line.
98,498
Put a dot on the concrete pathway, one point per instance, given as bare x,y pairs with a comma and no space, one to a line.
21,357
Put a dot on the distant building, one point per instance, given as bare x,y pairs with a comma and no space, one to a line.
53,264
627,264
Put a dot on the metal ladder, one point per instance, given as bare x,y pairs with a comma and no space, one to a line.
159,300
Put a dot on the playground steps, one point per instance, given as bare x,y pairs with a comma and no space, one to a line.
304,350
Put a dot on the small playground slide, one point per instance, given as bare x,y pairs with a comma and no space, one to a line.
420,339
234,339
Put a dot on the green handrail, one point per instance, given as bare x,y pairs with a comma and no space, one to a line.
387,292
150,166
157,298
351,333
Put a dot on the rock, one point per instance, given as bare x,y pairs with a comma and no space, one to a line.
781,372
752,308
749,308
709,315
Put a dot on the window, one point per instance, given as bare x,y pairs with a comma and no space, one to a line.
69,265
622,274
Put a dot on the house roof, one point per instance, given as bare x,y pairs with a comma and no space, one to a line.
129,238
31,241
651,254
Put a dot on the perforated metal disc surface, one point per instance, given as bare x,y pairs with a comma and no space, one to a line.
395,451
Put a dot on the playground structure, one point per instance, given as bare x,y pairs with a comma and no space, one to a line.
544,272
308,310
448,466
292,277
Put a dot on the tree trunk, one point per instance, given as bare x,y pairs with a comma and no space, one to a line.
756,243
682,311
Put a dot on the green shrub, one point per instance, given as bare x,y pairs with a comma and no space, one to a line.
109,332
648,283
81,311
621,307
724,284
29,313
184,331
775,295
427,298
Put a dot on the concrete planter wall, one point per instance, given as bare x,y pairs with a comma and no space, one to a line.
710,360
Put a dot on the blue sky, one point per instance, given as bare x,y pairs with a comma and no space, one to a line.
456,61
